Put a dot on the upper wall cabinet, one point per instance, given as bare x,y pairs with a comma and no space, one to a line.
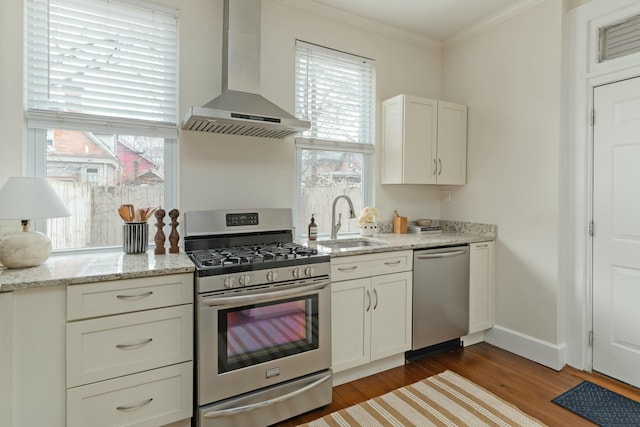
424,141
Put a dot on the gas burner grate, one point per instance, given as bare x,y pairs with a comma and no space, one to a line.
251,254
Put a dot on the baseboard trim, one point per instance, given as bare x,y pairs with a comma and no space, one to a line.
368,369
471,339
545,353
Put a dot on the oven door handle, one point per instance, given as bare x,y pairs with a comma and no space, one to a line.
266,403
265,296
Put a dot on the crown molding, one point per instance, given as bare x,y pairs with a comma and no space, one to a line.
363,23
491,21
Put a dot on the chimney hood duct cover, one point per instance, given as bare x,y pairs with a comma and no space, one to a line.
240,110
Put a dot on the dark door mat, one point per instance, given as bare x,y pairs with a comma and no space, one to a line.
599,405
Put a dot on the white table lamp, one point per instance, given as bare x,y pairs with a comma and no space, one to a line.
24,199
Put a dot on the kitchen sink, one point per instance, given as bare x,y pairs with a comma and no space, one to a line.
346,244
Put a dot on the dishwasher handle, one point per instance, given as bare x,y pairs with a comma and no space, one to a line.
443,254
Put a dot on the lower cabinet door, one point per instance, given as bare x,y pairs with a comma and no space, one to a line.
350,323
391,314
152,398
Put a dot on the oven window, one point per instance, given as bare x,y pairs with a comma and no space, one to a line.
258,333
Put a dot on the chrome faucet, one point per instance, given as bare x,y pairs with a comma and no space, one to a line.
336,226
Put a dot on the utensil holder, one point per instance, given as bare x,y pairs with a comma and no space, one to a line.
400,224
135,237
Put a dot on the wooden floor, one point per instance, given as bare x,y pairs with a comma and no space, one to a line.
524,383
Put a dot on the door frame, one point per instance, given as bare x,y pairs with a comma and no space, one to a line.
583,75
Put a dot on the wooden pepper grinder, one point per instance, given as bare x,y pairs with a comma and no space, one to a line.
159,237
173,235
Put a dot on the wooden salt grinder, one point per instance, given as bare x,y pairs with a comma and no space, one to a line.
173,235
159,237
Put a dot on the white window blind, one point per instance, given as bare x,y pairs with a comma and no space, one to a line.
336,92
620,39
99,65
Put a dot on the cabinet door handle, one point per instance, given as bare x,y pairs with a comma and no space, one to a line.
369,298
392,262
482,246
435,167
134,406
136,345
347,269
375,293
128,297
440,162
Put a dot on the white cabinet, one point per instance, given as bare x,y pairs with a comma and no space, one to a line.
481,286
424,141
371,308
129,352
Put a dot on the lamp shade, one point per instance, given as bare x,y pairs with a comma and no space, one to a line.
27,198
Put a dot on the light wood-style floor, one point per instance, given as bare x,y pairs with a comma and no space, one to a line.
524,383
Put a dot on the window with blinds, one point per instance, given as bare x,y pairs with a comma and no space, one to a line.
92,61
335,91
620,39
101,88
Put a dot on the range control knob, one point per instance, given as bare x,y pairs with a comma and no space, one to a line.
271,276
229,282
308,271
296,273
244,280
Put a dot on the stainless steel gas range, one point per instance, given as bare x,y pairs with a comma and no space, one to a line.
263,324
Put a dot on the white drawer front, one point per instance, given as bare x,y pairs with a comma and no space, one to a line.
153,398
358,266
99,349
127,295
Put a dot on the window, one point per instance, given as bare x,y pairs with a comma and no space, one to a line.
101,111
336,92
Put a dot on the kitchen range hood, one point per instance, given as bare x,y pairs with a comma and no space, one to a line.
240,109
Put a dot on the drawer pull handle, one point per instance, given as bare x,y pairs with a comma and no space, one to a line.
347,269
136,345
128,297
392,263
482,246
136,406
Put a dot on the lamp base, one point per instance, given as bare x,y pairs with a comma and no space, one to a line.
26,249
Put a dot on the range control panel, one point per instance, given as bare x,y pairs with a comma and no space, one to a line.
239,219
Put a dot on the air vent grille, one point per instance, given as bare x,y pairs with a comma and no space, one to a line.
231,128
620,39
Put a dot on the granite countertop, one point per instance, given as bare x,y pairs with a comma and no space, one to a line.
75,269
453,233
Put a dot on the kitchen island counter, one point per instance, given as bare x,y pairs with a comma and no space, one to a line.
71,269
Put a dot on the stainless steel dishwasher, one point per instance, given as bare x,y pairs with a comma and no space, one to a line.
440,295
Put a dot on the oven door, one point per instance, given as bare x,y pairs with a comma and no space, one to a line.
251,339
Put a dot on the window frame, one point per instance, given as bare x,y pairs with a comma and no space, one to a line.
308,143
37,123
37,166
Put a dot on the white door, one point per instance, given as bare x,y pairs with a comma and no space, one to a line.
616,242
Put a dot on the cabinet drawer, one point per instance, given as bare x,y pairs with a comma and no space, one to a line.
99,349
127,295
357,266
152,398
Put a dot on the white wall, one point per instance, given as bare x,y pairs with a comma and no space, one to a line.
11,111
510,77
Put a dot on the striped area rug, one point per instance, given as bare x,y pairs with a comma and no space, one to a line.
446,399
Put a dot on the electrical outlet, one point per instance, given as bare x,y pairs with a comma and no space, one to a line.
445,195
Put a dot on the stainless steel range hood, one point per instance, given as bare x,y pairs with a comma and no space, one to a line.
240,109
